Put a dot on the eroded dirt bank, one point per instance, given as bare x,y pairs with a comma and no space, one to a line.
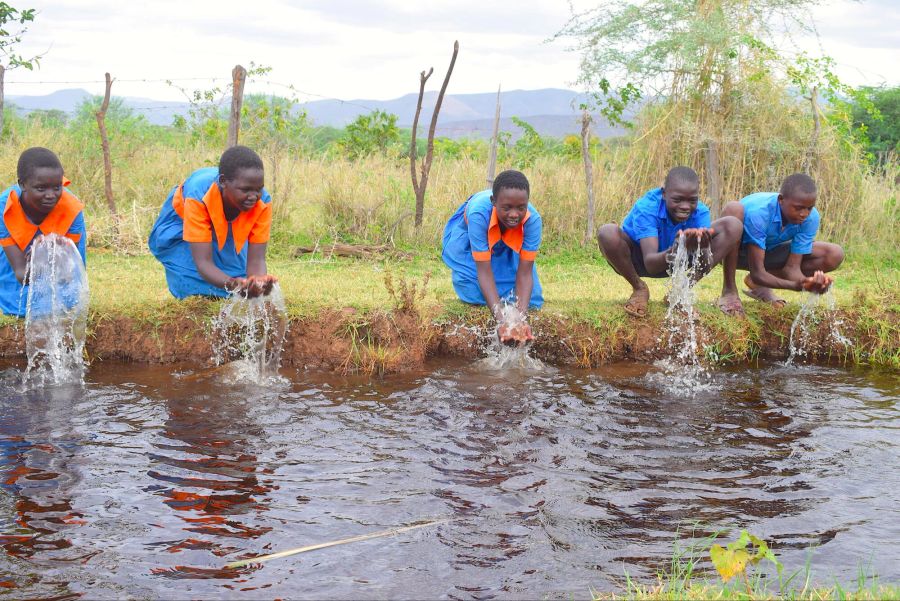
347,340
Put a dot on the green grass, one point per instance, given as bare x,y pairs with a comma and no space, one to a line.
578,287
689,575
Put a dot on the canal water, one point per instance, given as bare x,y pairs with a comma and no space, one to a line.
144,483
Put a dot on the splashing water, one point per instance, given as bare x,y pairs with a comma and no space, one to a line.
500,356
684,368
250,333
816,310
55,313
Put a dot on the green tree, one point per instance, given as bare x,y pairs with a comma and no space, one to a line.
9,39
883,134
368,134
699,50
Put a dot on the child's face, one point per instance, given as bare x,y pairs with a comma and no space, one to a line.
244,191
797,207
681,200
511,205
42,189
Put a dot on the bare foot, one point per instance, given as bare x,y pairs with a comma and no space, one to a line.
637,303
730,304
763,294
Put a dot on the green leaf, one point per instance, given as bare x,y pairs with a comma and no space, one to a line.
728,562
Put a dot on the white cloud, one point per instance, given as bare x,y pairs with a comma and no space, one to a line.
356,48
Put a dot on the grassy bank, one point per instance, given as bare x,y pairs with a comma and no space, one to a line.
345,302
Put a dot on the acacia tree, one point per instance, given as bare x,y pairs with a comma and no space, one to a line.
9,39
695,50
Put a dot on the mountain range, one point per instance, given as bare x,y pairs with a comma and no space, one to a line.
552,112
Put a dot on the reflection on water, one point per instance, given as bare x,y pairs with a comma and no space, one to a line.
142,484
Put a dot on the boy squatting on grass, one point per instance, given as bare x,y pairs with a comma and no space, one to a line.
777,245
38,205
490,245
212,230
641,247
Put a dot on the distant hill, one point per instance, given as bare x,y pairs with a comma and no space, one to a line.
552,112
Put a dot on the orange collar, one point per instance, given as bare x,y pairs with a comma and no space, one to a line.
512,238
240,227
57,221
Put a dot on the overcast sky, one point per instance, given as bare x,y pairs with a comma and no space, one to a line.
353,49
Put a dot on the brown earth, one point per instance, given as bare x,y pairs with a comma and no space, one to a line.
346,340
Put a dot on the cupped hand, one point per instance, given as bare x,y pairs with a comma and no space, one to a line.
817,283
518,334
695,237
260,285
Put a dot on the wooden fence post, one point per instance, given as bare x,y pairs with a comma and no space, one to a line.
107,161
238,77
588,173
495,139
713,179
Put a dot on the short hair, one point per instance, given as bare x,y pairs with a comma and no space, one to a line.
35,158
236,158
798,182
510,179
681,174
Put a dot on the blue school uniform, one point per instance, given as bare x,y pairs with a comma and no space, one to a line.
648,218
193,212
66,219
474,234
763,225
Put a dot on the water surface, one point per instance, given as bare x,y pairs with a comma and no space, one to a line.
142,484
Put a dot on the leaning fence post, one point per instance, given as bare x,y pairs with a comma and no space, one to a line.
238,76
713,179
107,162
588,173
492,160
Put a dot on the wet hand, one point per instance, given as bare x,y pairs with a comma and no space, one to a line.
817,283
697,237
260,285
518,334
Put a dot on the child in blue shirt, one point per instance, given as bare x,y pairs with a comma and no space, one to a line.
490,245
778,245
640,247
38,205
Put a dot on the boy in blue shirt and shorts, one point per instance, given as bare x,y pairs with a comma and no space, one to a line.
778,245
641,247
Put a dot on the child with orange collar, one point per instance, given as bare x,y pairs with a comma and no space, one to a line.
212,231
490,245
37,205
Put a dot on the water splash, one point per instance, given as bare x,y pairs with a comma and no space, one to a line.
684,368
55,313
500,356
816,311
250,333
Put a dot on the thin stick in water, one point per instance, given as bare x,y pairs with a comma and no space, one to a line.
343,541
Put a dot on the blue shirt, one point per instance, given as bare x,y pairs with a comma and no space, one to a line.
649,218
763,225
485,233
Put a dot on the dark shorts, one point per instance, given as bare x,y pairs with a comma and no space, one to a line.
775,257
637,259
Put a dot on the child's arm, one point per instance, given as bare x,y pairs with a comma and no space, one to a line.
756,262
654,259
202,254
260,283
17,260
524,285
488,286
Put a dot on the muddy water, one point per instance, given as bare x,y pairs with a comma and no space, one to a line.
144,485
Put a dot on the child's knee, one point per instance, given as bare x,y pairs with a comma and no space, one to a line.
835,257
608,235
730,226
734,209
